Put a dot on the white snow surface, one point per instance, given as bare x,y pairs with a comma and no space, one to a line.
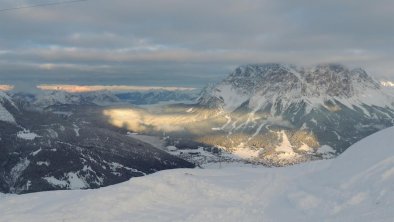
71,180
246,153
27,135
356,186
232,97
285,145
325,149
76,130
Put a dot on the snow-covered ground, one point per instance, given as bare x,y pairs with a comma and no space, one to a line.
356,186
5,115
27,135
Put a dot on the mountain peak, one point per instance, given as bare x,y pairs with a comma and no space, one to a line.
335,67
258,69
273,80
319,110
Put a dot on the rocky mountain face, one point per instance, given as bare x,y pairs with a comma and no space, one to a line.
277,81
289,114
69,146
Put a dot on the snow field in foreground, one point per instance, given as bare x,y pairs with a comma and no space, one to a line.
356,186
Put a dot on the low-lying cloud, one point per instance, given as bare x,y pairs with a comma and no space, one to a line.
6,87
143,121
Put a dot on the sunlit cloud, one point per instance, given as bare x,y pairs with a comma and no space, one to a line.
139,121
81,88
46,66
387,83
169,120
6,87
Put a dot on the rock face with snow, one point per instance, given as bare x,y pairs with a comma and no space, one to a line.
69,147
299,108
281,85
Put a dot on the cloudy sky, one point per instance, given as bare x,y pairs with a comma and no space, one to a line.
187,43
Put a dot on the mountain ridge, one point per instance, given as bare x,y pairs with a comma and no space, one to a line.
250,81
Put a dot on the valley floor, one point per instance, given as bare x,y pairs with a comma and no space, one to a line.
357,186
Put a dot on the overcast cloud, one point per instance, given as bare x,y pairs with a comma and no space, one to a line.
188,43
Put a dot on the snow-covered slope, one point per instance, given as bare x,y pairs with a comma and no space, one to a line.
5,115
69,147
357,186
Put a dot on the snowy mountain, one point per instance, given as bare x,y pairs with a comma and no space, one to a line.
50,98
356,186
275,87
105,98
69,147
275,114
157,96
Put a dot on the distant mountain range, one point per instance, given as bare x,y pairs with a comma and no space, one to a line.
158,96
105,98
